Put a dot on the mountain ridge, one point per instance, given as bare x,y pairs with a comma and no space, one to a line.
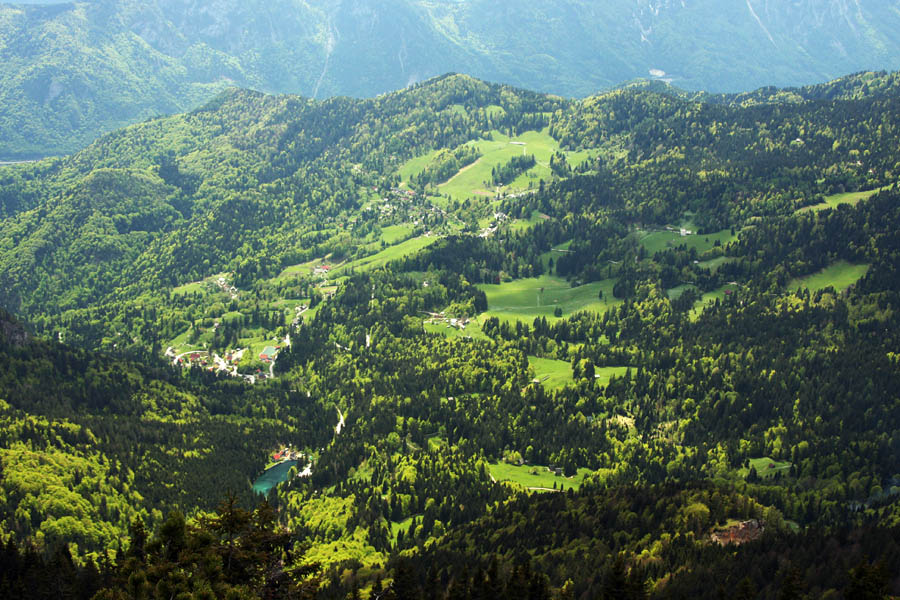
73,70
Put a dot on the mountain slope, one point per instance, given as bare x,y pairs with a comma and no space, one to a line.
72,71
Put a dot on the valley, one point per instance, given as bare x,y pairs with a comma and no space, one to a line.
451,370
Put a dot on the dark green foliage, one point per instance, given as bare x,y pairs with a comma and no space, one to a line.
770,405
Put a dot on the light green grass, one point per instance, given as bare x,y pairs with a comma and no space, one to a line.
525,224
840,276
475,179
676,292
714,264
763,469
603,374
553,374
394,233
298,270
522,299
397,526
380,259
541,479
833,201
416,165
197,287
662,240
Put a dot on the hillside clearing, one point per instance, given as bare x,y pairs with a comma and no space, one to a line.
840,276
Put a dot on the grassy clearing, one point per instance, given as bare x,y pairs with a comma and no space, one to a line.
835,200
604,374
416,165
766,467
536,476
840,276
396,526
380,259
472,330
197,287
523,299
676,292
710,298
525,224
553,374
300,270
658,241
475,179
394,233
714,264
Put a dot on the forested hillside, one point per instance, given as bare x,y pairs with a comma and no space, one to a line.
70,71
468,340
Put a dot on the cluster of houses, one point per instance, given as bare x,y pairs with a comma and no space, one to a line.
287,454
684,232
743,532
227,288
438,318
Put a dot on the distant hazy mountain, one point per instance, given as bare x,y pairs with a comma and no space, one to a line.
70,71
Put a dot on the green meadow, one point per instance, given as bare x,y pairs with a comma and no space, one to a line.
536,477
525,299
394,233
387,255
766,467
475,179
553,374
840,276
833,201
603,374
657,241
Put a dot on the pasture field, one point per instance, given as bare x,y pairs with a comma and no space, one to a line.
475,179
657,241
394,233
196,287
525,224
840,276
523,299
714,264
536,476
416,165
835,200
676,292
204,287
603,374
380,259
298,270
553,374
766,467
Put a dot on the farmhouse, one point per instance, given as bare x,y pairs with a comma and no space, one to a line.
744,531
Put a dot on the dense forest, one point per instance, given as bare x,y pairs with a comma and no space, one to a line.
498,344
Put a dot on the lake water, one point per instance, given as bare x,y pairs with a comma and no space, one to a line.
273,477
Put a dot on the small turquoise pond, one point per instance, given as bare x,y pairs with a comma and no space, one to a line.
273,477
